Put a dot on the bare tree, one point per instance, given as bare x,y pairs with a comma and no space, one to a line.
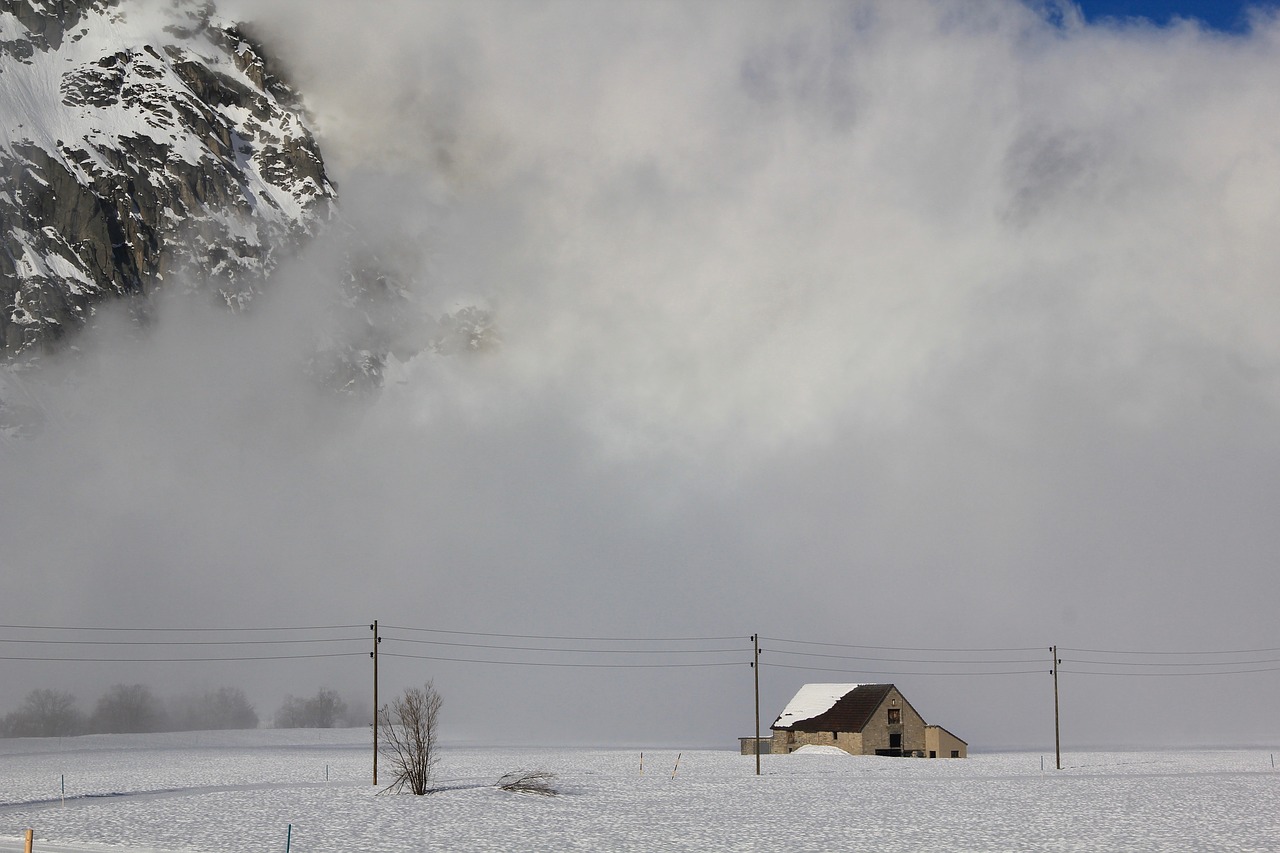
45,713
407,737
321,711
224,708
127,708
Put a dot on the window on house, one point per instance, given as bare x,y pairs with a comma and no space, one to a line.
955,753
895,716
835,735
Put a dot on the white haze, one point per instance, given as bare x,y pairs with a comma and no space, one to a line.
910,324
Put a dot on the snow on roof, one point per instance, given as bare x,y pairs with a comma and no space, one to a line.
810,701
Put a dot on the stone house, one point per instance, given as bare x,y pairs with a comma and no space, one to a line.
940,743
861,719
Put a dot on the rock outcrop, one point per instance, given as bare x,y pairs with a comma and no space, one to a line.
142,145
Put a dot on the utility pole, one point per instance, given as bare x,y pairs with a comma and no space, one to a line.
1057,727
374,654
755,665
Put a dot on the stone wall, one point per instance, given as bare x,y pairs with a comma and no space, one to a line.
748,745
940,743
788,741
875,734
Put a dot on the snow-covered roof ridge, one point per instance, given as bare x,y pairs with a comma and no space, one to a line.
812,700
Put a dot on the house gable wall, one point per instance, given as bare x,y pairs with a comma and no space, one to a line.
875,735
940,743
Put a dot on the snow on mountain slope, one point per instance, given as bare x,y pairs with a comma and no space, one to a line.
139,140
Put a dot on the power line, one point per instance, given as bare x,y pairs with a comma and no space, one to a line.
178,630
893,660
179,659
570,651
569,665
1171,663
901,648
1170,674
1187,654
554,637
898,672
180,642
947,658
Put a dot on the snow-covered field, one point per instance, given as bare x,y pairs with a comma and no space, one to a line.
242,791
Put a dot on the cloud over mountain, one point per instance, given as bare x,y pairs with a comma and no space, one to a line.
923,324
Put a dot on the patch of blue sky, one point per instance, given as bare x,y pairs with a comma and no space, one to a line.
1231,16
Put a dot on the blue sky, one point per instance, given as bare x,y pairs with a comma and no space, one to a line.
1227,15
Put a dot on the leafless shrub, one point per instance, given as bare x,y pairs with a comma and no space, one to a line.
529,782
407,738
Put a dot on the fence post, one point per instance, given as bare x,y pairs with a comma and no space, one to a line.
31,837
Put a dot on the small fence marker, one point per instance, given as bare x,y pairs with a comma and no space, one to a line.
677,767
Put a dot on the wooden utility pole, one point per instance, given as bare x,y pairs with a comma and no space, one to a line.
1057,728
374,654
755,665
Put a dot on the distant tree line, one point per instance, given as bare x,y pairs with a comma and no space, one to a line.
321,711
126,708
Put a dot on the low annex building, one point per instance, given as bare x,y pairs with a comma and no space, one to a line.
861,719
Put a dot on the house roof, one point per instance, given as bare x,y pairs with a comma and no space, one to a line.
834,707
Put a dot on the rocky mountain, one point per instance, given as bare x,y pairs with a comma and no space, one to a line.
143,145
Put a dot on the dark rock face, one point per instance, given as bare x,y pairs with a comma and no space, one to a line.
45,23
141,147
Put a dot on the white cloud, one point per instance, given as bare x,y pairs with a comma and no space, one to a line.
964,320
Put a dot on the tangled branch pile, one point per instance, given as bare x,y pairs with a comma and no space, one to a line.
529,782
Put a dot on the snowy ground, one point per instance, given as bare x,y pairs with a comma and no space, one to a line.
241,791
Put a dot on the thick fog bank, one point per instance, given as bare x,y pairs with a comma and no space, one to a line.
934,326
